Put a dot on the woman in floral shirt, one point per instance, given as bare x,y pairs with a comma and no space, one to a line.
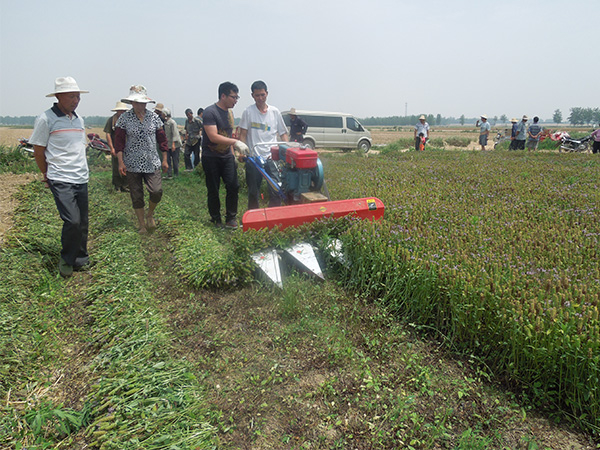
137,133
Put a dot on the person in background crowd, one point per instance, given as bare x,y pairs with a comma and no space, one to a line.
173,143
533,134
298,127
484,131
118,180
421,128
218,160
59,145
136,136
513,133
596,137
261,123
193,133
521,134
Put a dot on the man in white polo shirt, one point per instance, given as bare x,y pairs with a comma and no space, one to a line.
59,147
261,123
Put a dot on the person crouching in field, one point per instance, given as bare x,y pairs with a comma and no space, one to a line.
59,144
136,134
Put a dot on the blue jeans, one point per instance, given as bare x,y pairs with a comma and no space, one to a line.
72,204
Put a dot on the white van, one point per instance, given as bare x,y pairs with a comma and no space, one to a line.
329,129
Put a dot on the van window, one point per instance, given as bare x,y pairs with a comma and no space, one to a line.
353,124
323,121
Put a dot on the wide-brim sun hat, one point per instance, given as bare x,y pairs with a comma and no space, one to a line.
422,118
483,116
293,112
525,118
513,120
137,93
159,107
120,106
63,85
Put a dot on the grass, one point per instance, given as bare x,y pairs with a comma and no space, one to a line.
151,348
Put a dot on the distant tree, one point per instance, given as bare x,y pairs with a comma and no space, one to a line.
494,121
557,116
462,119
438,119
503,118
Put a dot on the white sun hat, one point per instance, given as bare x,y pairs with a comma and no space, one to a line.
137,93
65,84
120,107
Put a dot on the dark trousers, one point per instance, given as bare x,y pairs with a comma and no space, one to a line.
254,181
153,182
118,181
520,144
189,149
72,204
215,169
596,147
173,161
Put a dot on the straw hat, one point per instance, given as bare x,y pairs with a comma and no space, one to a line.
525,118
483,116
120,107
65,84
513,120
422,117
159,107
165,111
293,112
137,93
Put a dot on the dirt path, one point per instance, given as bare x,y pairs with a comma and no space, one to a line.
9,185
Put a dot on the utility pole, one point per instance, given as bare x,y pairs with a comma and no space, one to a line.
406,109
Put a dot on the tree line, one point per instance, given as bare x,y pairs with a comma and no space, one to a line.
577,116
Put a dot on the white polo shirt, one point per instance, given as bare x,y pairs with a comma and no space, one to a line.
65,144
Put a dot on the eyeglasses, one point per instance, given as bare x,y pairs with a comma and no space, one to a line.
235,97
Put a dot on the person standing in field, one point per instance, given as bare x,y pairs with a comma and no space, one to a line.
484,131
137,133
596,138
533,134
193,132
262,123
218,160
298,127
173,143
521,134
421,132
118,180
513,133
59,144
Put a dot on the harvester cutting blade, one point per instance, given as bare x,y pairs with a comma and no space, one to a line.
268,262
334,248
303,254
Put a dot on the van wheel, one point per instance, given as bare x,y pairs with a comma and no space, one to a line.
309,143
364,146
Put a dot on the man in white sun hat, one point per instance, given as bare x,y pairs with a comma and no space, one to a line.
421,131
118,180
521,134
59,147
484,131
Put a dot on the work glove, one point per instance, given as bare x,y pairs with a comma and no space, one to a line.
240,148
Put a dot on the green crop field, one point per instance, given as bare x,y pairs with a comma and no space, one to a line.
457,322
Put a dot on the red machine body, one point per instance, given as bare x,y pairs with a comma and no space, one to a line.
294,215
301,158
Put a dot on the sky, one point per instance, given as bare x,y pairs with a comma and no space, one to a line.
368,58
